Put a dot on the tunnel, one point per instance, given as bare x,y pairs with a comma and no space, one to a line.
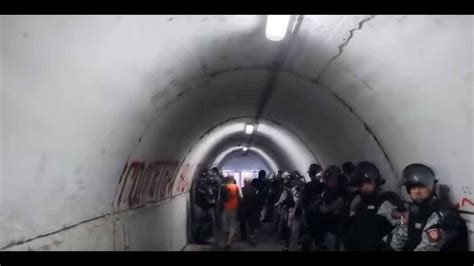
107,119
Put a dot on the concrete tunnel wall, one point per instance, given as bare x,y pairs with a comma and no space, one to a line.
100,114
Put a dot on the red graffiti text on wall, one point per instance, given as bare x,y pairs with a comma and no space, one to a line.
184,177
142,183
464,202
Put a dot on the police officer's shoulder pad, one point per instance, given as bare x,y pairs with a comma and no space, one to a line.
449,218
433,234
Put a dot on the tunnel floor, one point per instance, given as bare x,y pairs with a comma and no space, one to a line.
266,241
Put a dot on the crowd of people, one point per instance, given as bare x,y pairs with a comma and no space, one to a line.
342,209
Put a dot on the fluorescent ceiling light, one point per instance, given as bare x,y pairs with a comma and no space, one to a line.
244,148
249,129
277,26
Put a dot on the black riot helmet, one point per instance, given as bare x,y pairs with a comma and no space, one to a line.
262,174
336,173
204,173
296,174
286,178
295,177
314,169
348,168
216,171
367,171
418,175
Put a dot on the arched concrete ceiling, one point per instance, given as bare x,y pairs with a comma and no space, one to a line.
281,144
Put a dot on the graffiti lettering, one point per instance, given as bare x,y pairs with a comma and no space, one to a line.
463,202
142,183
184,179
132,169
180,181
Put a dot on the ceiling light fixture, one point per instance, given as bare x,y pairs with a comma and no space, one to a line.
277,26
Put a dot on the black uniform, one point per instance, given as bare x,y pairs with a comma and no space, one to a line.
219,189
328,207
311,194
371,219
262,187
431,224
287,204
354,181
205,192
250,211
371,215
275,190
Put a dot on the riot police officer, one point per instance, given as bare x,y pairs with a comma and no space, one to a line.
372,214
219,189
275,190
205,194
314,187
261,185
348,169
311,192
329,206
217,174
287,203
430,224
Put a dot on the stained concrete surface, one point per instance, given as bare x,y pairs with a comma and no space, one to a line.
267,240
